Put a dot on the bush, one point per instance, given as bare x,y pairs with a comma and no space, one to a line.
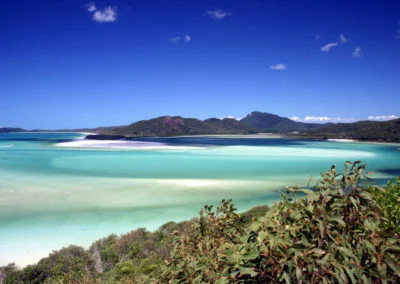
200,255
333,235
389,200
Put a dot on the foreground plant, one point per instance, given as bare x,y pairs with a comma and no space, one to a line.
201,256
333,235
389,200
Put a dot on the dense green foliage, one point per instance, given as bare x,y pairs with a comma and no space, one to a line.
271,122
340,231
201,255
333,235
389,200
388,131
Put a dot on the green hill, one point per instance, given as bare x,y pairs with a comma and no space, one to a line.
176,125
272,122
386,131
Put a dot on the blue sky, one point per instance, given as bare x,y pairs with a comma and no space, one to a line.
68,64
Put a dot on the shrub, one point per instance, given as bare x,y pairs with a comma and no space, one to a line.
389,200
333,235
200,256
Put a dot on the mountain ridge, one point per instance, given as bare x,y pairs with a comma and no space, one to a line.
381,131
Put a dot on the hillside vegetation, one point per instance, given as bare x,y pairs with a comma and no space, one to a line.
255,122
339,231
176,125
386,131
267,122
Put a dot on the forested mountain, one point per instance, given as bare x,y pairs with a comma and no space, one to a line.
176,125
272,122
388,131
255,122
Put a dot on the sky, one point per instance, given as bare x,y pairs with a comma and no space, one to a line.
73,63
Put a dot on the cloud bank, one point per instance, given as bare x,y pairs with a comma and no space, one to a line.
382,117
322,119
326,119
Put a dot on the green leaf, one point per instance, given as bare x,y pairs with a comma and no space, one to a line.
286,277
249,271
339,220
390,262
346,251
222,281
305,241
354,202
318,251
351,274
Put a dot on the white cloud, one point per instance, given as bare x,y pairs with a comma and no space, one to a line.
107,15
295,118
91,7
321,119
343,39
327,48
382,117
174,39
231,117
316,118
188,38
357,52
218,14
278,67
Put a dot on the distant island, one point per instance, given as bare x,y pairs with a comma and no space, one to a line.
253,123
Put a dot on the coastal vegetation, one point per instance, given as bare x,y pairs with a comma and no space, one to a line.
342,230
384,131
268,122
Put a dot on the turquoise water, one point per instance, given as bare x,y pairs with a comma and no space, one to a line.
52,196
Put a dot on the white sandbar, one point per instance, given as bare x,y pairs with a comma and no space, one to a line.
341,140
121,144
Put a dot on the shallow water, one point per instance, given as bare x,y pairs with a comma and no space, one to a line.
52,196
